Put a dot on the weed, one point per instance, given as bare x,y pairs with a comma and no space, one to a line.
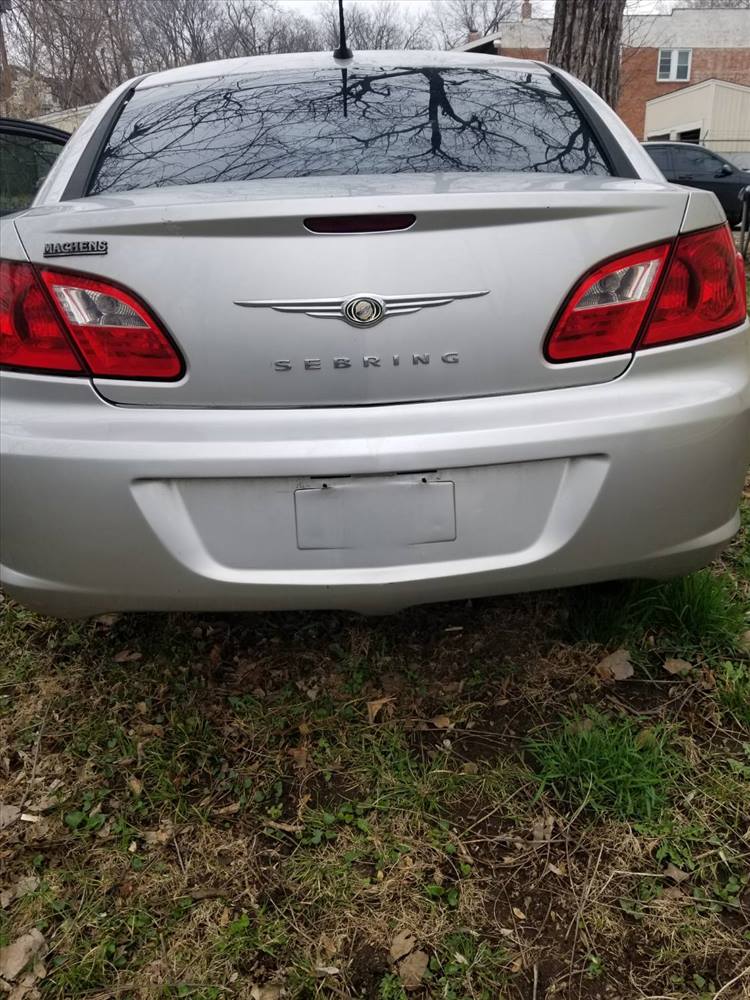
390,988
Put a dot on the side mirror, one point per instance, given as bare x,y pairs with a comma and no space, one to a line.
724,170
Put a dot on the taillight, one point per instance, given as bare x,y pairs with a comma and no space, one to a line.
112,332
605,312
612,309
31,335
703,291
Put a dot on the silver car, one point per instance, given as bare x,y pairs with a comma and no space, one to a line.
290,332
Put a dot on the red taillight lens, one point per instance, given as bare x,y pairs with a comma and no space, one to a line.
79,326
703,291
606,310
117,336
31,335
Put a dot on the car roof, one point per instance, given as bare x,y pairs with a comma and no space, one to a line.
673,142
385,58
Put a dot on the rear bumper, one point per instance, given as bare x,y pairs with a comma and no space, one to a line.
115,508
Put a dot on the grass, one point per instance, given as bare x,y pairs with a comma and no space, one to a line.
618,767
217,812
693,616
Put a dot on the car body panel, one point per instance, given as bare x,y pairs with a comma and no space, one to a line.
635,478
242,488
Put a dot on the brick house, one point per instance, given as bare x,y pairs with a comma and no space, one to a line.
661,52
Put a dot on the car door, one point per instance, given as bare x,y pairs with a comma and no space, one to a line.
27,151
699,168
662,157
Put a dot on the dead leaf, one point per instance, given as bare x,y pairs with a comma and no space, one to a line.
373,707
676,666
127,656
229,810
518,914
554,869
542,830
676,874
412,969
402,944
673,892
22,952
8,814
327,970
136,786
154,837
441,722
207,893
745,640
707,679
149,729
470,767
615,667
299,756
265,993
22,888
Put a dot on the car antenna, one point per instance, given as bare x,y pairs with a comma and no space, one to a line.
343,51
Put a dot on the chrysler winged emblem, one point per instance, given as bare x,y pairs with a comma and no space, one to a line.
360,310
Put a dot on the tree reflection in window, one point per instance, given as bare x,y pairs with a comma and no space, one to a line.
305,123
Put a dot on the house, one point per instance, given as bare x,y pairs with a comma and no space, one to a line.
661,54
714,113
68,119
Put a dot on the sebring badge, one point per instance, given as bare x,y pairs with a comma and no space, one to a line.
360,310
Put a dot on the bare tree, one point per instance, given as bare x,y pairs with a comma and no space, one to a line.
260,27
79,50
455,20
6,82
381,25
304,122
586,38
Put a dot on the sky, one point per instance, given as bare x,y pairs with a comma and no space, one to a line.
541,8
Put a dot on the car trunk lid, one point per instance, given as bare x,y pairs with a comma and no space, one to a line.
469,290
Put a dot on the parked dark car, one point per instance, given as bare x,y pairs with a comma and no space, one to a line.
692,165
27,151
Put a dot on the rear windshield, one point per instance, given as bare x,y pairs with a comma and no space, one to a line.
323,122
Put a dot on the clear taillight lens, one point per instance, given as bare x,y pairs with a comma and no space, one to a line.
117,336
605,312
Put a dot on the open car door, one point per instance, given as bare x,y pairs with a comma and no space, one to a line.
27,151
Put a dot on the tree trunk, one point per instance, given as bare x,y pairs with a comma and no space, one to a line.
586,37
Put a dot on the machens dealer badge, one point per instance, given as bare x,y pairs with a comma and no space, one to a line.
90,248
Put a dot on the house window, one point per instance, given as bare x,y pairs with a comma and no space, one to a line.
674,64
